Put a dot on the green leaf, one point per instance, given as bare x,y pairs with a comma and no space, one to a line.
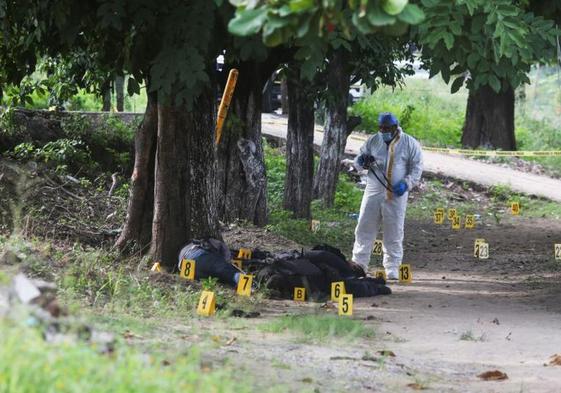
301,5
445,71
377,17
458,82
393,7
477,23
272,37
448,40
472,59
412,14
494,83
248,22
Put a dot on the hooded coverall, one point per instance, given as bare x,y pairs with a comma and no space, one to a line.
401,159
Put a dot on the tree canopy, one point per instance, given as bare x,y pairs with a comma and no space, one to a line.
495,41
313,27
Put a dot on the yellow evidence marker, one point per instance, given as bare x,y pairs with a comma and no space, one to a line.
244,285
476,247
314,225
377,250
244,253
451,214
337,289
156,267
515,208
237,263
381,274
481,249
456,222
207,304
470,221
439,216
346,305
405,274
187,269
557,249
299,294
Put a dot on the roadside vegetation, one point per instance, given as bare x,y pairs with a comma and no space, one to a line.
429,112
75,366
337,224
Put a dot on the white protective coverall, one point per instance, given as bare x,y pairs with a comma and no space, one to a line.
400,160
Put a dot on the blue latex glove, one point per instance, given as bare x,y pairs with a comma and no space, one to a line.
400,188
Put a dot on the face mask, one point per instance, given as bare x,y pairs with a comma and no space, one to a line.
387,136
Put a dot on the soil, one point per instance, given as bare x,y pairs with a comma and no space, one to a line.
459,318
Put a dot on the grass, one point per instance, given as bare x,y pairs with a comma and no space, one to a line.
111,285
493,206
435,119
316,328
430,113
468,335
337,224
28,363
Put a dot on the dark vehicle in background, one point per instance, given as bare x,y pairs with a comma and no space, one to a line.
272,95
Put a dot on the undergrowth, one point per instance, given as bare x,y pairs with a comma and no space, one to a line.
29,364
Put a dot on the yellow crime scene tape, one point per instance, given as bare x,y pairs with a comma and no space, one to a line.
461,152
494,153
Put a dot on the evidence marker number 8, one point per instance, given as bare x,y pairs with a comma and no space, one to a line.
187,269
299,294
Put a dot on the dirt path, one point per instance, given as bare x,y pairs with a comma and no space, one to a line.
456,167
460,317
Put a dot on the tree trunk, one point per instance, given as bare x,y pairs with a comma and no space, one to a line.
120,93
106,96
336,131
299,150
489,120
184,197
137,230
244,122
284,96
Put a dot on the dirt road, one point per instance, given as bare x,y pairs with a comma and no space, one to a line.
459,318
453,166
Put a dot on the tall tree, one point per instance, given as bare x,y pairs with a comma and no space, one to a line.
372,61
489,46
298,180
235,179
320,32
172,45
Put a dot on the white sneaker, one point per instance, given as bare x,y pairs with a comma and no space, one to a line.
391,274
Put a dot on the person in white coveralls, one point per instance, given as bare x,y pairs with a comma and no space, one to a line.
395,163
